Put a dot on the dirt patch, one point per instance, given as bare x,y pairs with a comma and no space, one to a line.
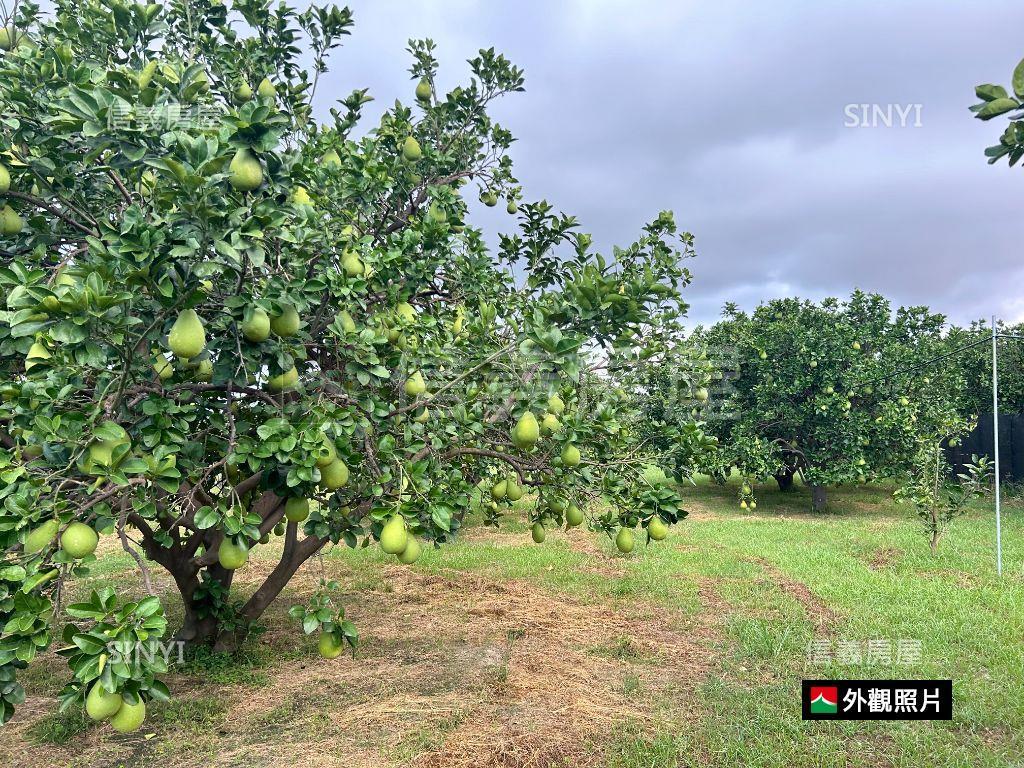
599,561
823,617
454,670
883,558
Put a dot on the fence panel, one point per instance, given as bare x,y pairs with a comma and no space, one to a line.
980,442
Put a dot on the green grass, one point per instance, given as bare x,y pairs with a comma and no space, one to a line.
245,667
637,749
196,714
868,563
59,727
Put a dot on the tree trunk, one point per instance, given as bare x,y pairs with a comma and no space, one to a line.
785,479
196,629
294,555
818,499
200,625
229,641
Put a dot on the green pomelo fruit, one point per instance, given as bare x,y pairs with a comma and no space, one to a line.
393,536
296,509
100,704
129,717
231,556
256,325
624,540
411,553
79,540
538,533
334,475
187,336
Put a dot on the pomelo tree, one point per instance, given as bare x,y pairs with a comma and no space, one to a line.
225,320
671,396
835,392
938,493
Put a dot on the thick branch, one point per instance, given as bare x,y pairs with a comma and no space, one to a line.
55,211
293,557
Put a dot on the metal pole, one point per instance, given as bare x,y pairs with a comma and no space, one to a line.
995,431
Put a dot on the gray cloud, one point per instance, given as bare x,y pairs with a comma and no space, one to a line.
731,114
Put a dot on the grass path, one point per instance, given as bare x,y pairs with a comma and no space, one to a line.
497,651
868,569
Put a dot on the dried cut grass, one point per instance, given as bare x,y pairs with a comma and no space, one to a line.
817,611
466,671
455,670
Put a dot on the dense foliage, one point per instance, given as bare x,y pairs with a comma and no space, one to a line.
975,362
224,321
669,397
836,392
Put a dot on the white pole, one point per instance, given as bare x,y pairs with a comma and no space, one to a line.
995,431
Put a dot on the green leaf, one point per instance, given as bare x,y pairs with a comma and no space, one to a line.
89,644
442,517
989,92
207,517
134,466
997,107
148,606
85,611
159,691
133,153
12,573
67,332
1018,80
109,430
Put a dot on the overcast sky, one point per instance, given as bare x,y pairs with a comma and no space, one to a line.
732,115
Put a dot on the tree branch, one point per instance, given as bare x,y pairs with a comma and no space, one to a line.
55,211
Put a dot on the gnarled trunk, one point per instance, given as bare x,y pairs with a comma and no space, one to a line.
196,629
294,555
785,479
191,569
200,626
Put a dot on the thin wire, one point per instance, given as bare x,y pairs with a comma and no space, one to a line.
987,340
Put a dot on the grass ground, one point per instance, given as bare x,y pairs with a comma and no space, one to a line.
497,651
